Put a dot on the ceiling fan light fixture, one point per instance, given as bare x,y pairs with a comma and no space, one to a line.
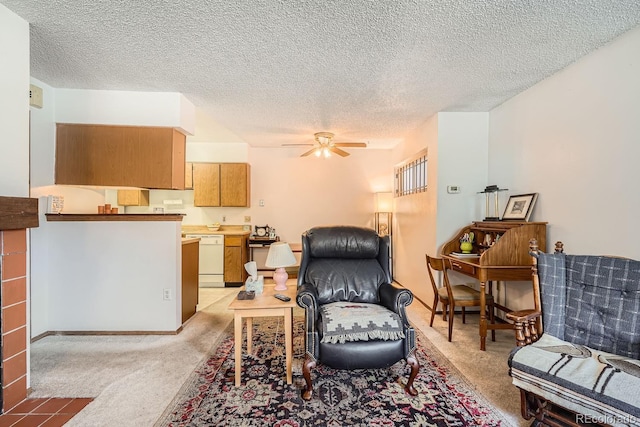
325,146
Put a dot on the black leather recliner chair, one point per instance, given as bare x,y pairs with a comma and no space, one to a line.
351,264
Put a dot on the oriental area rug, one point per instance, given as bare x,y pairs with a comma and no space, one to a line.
340,398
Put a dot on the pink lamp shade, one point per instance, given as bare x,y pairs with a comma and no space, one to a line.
280,255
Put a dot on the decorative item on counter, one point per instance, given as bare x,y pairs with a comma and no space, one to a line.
492,189
107,208
262,231
214,227
114,210
55,204
466,243
100,209
519,207
254,282
280,256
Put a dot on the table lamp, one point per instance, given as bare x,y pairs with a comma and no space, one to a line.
280,256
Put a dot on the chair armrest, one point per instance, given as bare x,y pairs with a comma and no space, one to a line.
307,298
395,299
526,326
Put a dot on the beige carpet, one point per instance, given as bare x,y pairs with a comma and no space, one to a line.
133,378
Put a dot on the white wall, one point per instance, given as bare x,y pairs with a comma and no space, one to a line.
573,138
463,140
14,104
415,215
303,192
110,276
113,107
81,106
457,145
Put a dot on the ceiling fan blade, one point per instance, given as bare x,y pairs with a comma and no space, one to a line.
350,144
297,145
338,151
306,153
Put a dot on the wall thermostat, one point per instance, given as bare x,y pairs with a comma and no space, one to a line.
453,189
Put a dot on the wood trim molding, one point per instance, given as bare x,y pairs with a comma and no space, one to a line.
114,217
103,333
18,212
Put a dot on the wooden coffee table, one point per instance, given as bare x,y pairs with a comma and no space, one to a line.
264,305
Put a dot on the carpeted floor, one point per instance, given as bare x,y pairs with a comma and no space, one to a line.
354,398
134,378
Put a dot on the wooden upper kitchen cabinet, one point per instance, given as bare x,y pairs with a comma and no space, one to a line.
133,197
125,156
235,184
221,184
188,176
206,184
236,255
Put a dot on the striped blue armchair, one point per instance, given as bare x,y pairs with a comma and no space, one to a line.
584,369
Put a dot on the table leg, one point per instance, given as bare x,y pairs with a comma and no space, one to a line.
288,341
483,316
249,334
237,323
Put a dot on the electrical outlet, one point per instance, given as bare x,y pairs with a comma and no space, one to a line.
247,219
261,202
224,218
453,189
166,295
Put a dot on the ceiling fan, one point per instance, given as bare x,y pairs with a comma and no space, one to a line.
324,145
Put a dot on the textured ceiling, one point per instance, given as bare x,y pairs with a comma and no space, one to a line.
276,71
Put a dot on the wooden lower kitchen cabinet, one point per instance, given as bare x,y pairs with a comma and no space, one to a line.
190,268
236,255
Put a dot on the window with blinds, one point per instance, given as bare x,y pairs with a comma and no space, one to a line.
411,175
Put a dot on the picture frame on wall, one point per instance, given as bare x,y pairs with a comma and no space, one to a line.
519,207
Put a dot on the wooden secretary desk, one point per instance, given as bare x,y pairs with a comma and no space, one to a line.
501,252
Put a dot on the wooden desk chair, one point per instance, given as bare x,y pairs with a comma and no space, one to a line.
454,295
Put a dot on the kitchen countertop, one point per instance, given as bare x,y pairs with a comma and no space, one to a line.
113,217
225,230
186,241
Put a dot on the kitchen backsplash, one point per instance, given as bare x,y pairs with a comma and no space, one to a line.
195,215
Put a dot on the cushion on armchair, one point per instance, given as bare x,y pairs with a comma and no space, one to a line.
343,242
592,300
354,280
349,321
587,359
579,378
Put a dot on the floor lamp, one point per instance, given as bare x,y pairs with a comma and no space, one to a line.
384,220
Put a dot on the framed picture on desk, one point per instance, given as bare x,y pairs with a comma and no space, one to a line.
519,207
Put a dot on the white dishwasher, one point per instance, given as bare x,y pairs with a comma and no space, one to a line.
211,260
